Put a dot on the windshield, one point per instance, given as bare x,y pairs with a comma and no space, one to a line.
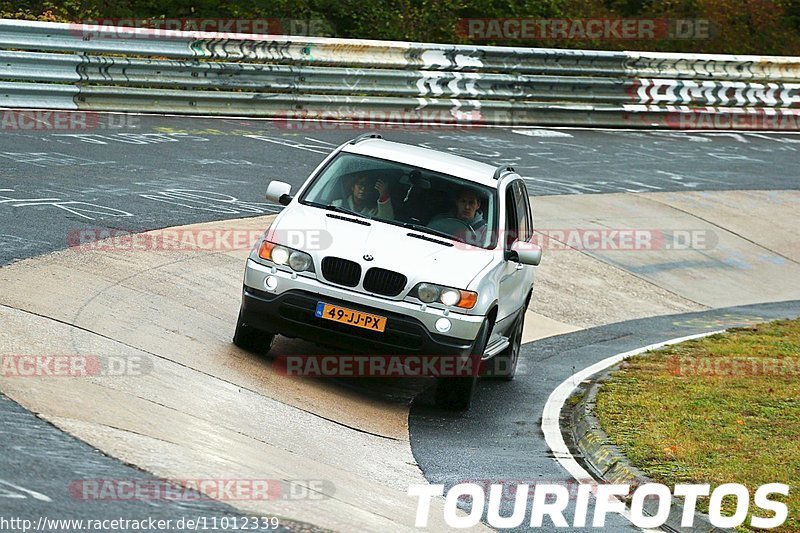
408,196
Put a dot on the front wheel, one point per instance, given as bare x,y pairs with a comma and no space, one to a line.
251,339
503,366
455,393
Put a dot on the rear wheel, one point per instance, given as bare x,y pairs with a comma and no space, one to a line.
455,393
503,366
252,339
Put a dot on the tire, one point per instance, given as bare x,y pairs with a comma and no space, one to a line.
503,366
251,339
455,394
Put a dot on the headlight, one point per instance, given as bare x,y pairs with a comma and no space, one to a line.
450,297
427,292
430,292
282,255
299,261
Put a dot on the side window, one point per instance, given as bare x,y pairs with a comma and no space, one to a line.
512,221
523,211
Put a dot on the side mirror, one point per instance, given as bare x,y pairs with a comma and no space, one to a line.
278,192
526,253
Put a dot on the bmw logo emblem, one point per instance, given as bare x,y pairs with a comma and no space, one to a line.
368,257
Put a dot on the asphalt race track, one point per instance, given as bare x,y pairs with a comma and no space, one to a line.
138,173
147,172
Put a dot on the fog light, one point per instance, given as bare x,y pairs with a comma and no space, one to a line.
443,325
271,282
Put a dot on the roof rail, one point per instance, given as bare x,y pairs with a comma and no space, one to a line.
365,137
502,170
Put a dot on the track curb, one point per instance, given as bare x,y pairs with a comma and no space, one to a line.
605,461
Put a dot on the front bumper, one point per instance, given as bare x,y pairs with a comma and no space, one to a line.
463,326
292,313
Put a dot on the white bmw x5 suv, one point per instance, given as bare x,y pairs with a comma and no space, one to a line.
417,252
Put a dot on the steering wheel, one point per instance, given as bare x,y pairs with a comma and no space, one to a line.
465,225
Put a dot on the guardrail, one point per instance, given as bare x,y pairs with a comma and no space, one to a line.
103,68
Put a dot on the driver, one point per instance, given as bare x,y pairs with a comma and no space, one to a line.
358,201
465,215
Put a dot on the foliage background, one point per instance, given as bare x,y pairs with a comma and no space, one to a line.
769,27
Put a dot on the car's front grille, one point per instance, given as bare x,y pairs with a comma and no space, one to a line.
341,271
386,282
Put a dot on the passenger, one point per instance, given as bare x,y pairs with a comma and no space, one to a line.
358,200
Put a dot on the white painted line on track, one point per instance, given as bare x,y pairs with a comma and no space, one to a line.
541,132
35,495
554,404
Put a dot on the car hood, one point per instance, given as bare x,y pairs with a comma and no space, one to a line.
324,233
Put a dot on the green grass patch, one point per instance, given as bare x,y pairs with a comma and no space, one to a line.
722,409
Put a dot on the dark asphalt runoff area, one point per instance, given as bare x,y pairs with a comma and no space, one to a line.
500,440
137,173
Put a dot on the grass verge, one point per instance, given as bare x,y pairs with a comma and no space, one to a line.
722,409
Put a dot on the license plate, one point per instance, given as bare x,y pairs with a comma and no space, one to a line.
351,317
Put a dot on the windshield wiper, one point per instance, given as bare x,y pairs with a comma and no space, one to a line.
336,208
425,229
